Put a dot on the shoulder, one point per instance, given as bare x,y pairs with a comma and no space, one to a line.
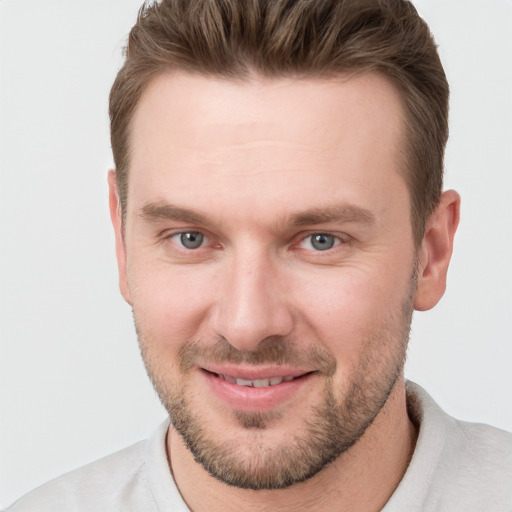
461,465
460,443
136,478
111,483
488,446
477,459
96,486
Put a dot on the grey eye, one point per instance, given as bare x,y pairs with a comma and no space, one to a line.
191,240
322,242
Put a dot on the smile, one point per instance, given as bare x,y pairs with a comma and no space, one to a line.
256,383
256,389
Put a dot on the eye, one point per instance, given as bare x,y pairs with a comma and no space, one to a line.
320,242
190,239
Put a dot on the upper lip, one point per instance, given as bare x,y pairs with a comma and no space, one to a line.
247,372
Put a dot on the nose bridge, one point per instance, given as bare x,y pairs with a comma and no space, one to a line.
252,304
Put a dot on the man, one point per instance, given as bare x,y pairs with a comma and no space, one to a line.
278,209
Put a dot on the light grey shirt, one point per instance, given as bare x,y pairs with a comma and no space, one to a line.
456,466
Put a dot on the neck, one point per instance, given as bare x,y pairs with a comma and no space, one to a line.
361,479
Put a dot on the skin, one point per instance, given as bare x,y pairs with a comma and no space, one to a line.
248,160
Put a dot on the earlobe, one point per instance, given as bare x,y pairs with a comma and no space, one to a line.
436,251
117,223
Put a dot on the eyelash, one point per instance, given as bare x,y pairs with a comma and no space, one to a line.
183,233
337,240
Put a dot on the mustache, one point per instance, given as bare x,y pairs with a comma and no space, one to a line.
273,350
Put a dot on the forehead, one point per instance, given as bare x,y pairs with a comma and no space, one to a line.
233,138
237,108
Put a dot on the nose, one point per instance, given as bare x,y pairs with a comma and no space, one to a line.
252,304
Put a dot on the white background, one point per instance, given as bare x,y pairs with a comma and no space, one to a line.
72,386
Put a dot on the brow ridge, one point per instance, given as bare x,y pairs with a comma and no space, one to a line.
338,213
166,211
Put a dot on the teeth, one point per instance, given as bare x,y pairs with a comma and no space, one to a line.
243,382
257,383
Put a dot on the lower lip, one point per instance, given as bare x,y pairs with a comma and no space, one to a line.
251,399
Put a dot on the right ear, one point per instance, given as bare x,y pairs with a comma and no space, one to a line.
117,223
436,251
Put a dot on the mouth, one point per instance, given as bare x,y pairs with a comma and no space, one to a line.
256,383
257,389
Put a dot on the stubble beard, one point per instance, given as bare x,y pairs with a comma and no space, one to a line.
331,428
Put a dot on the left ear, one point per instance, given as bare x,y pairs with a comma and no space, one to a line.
436,251
117,223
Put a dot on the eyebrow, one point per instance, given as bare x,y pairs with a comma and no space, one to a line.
339,213
166,211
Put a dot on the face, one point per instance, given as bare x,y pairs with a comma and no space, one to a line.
269,260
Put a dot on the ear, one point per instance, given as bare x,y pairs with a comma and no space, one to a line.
117,223
436,251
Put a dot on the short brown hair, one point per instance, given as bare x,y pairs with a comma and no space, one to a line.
299,38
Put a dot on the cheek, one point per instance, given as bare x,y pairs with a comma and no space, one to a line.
169,303
347,309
